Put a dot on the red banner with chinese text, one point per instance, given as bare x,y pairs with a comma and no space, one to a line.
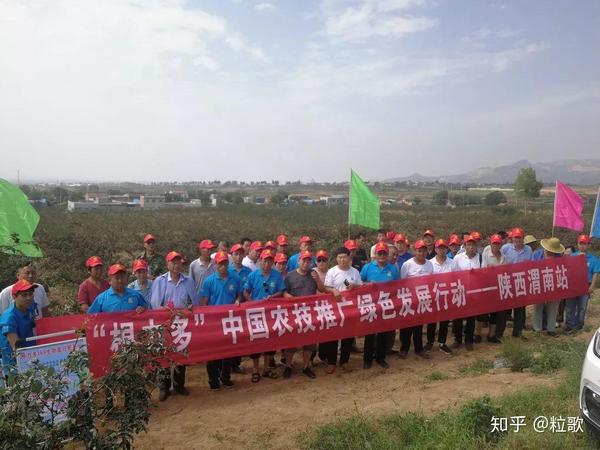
209,333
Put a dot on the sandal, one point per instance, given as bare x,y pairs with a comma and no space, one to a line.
269,374
255,377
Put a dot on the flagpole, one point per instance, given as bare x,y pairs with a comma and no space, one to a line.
554,212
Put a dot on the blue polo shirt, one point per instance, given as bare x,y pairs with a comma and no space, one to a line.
221,291
293,260
512,255
20,323
260,286
110,301
402,259
537,255
593,264
146,293
242,273
373,272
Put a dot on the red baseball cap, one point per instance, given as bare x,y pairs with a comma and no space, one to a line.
236,248
22,286
441,243
583,239
220,257
469,238
420,243
350,244
306,239
390,235
139,264
429,232
271,245
206,244
517,232
454,240
256,245
149,237
381,247
400,238
94,261
281,258
267,254
322,254
282,240
116,268
305,254
476,235
495,239
172,255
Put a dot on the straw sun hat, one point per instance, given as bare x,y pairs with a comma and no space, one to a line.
553,245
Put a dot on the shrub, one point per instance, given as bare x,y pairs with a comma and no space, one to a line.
518,355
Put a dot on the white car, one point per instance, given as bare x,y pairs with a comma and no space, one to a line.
589,389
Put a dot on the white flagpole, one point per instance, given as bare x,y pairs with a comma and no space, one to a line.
554,212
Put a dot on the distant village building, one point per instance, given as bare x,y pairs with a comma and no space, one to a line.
152,201
96,197
334,200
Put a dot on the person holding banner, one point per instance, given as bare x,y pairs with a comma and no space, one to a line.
577,307
173,290
221,288
497,320
40,298
467,260
118,297
552,249
378,271
17,324
94,285
263,284
417,266
441,264
340,278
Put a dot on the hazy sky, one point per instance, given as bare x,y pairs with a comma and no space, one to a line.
146,90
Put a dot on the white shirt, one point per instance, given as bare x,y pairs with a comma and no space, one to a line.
335,278
489,260
250,264
39,297
463,262
447,266
412,269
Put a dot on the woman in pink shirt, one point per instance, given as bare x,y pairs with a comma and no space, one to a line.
94,285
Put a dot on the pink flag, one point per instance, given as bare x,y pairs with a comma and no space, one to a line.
568,208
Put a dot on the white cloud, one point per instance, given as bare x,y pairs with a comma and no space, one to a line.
502,60
265,7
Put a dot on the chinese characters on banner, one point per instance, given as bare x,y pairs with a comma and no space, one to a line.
209,333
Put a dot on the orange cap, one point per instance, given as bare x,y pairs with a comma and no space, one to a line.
381,247
206,244
350,245
306,239
139,264
172,255
441,243
390,235
22,286
476,235
236,248
256,245
468,238
517,232
281,258
116,268
271,245
149,237
454,240
583,239
322,254
220,257
399,238
267,254
495,239
93,261
420,243
282,240
305,254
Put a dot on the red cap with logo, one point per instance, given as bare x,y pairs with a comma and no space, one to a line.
282,240
583,239
116,268
206,244
139,264
267,254
469,238
149,237
495,239
271,245
429,232
420,244
256,245
454,240
400,238
172,255
305,254
305,239
517,233
350,244
476,235
22,286
381,247
93,261
390,235
236,248
322,254
221,257
441,243
281,258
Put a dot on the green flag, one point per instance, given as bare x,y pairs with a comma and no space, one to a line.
18,221
364,205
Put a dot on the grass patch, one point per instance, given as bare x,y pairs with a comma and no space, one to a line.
518,355
479,367
436,376
469,426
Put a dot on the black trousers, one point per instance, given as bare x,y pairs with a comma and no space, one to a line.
376,345
178,378
330,351
218,370
417,336
519,321
469,329
442,333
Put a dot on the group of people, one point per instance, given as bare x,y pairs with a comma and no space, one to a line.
251,270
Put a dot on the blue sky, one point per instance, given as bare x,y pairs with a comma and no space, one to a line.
148,90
